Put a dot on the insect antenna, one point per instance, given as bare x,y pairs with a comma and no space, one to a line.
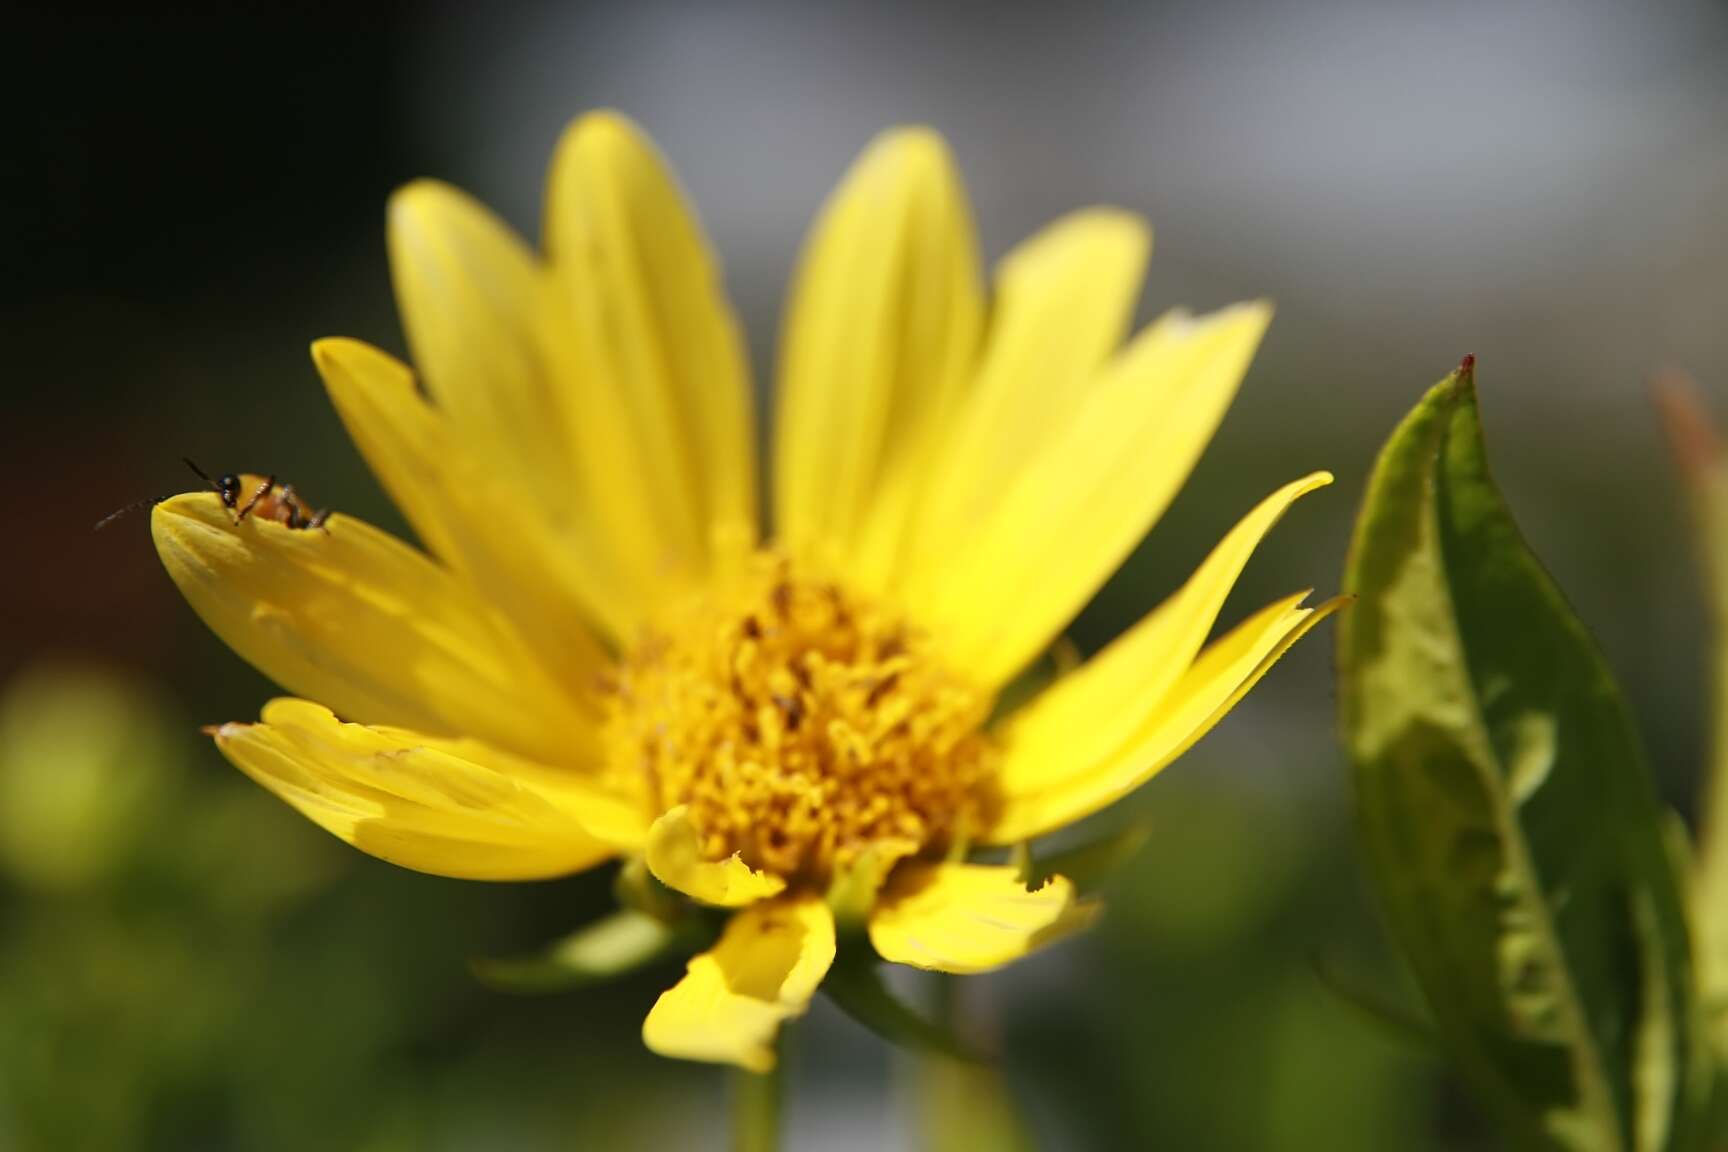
199,472
122,511
149,500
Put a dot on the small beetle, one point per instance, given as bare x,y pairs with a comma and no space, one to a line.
267,499
263,497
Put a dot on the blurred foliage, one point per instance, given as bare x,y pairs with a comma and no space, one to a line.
1199,1023
183,963
127,957
85,763
1523,862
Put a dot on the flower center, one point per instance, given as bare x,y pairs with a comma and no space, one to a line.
799,724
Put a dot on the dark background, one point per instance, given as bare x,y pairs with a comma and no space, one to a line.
191,199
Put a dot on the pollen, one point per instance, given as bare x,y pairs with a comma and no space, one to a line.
800,725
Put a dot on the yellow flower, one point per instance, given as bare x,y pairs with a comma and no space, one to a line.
602,653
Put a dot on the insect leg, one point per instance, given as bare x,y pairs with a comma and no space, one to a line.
263,491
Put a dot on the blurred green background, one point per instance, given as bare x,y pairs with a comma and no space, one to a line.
186,964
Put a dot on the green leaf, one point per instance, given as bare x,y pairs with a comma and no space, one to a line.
1507,815
1374,1005
607,948
1703,467
855,985
1090,862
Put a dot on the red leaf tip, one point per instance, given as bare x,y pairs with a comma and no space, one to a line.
1692,437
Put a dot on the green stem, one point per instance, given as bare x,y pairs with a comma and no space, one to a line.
966,1106
756,1103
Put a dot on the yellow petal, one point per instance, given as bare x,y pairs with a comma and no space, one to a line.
1089,714
1219,678
475,306
880,332
450,808
460,509
675,857
1062,303
355,618
406,442
733,998
500,360
968,918
656,341
1091,492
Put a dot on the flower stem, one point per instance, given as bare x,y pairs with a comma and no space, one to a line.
964,1107
756,1101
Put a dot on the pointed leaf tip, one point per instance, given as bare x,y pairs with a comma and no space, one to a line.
1461,383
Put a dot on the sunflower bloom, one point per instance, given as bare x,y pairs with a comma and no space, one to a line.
603,653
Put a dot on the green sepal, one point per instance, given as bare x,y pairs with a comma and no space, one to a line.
1057,661
852,893
1089,863
603,950
856,987
634,887
1025,865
